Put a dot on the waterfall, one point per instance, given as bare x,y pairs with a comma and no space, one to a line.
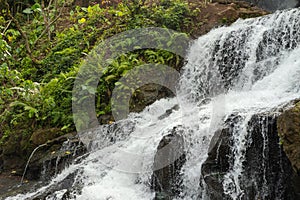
232,73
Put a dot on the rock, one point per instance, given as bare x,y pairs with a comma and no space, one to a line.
41,136
217,163
222,12
168,112
105,119
289,131
273,5
14,151
267,172
54,154
168,161
230,13
147,95
52,158
49,159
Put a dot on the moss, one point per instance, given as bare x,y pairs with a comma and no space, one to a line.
41,136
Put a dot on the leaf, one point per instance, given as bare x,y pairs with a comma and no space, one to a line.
110,78
65,127
17,103
119,13
27,11
36,7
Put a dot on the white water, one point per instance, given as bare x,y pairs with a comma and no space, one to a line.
260,70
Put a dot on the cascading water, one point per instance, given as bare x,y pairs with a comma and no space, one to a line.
251,67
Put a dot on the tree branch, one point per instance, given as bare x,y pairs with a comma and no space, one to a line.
47,23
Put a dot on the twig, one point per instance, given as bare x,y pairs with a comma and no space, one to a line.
27,45
7,27
49,24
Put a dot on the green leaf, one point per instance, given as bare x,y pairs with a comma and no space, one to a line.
110,78
27,11
65,127
36,7
16,103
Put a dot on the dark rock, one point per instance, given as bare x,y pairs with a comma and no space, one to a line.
54,157
66,188
218,162
168,112
48,160
267,171
147,95
168,161
105,119
14,151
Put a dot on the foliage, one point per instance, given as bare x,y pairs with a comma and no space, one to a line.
40,55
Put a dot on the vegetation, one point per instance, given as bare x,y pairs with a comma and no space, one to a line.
43,43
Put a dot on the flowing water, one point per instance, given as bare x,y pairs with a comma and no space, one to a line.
253,66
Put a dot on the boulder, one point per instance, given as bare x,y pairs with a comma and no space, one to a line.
166,179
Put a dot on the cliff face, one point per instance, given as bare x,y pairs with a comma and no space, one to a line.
289,131
271,159
268,173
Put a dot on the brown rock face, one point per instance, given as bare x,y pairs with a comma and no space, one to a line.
220,13
289,130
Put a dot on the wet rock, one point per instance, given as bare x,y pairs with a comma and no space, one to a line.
267,172
48,160
168,161
289,131
218,162
62,190
54,157
147,95
168,112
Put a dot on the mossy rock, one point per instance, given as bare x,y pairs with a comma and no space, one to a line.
41,136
